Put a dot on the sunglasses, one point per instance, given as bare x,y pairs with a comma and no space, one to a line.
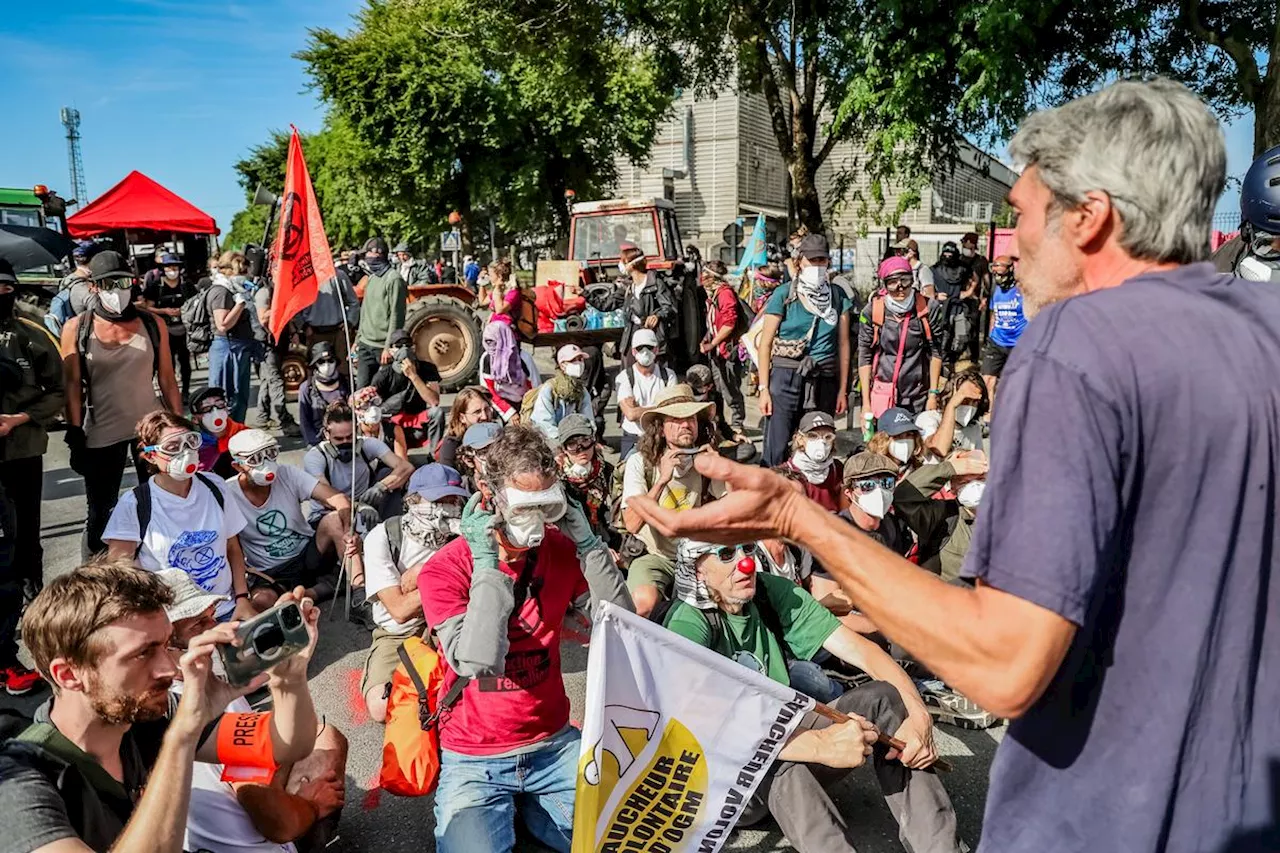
320,361
207,406
729,553
266,454
175,444
898,282
644,349
870,484
579,445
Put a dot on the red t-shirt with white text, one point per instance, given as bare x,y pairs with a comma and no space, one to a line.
527,703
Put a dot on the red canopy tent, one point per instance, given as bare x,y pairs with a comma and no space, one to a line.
139,203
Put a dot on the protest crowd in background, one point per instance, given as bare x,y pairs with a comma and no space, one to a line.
1057,506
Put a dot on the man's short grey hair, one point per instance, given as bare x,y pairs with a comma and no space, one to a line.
518,450
1152,146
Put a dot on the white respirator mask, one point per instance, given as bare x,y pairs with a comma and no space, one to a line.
183,466
876,503
965,414
970,494
264,474
371,415
113,300
1256,269
574,369
215,420
525,514
900,449
817,449
645,357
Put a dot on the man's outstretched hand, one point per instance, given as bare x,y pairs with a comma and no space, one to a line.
759,505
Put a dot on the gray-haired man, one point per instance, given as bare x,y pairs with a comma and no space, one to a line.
1120,555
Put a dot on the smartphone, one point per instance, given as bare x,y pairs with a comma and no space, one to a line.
689,451
265,640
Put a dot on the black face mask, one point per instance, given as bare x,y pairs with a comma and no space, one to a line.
7,301
377,264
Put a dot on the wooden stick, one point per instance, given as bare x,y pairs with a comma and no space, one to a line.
940,764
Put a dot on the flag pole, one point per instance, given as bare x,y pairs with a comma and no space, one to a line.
835,716
344,572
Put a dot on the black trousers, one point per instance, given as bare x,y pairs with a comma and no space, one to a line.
182,362
103,472
23,483
367,364
10,583
787,388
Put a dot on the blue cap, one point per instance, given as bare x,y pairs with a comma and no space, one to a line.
481,435
169,259
83,249
435,481
897,421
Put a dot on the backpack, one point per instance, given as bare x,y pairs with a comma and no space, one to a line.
149,324
878,311
530,399
411,740
198,319
59,312
331,455
142,494
764,606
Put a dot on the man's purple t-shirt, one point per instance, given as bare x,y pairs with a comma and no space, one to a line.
1133,490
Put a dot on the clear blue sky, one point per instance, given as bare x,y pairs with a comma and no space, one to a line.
181,89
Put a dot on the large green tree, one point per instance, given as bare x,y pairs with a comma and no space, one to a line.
467,104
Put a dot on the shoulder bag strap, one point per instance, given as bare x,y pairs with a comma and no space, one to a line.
142,496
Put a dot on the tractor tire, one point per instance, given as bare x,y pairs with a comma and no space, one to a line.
293,369
446,332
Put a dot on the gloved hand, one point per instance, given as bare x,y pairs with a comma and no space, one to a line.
575,525
477,529
374,495
74,438
367,518
239,299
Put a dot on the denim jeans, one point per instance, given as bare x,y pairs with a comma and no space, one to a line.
230,368
478,796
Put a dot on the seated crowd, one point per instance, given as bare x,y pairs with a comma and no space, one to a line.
514,521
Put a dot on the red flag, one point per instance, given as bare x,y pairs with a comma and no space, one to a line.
300,257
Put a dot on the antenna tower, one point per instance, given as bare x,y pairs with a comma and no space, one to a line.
75,163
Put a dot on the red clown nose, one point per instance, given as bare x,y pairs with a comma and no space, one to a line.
191,469
747,565
270,476
217,423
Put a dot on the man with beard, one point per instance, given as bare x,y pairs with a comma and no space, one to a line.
1105,575
662,469
107,763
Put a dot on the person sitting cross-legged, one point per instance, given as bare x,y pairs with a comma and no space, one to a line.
277,541
343,457
771,625
393,554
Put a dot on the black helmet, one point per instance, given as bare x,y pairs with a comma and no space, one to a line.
1260,194
319,350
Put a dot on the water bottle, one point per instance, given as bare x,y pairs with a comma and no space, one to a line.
868,425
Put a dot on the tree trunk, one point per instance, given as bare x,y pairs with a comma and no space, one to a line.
804,192
1266,112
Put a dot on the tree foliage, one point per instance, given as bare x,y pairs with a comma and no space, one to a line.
466,104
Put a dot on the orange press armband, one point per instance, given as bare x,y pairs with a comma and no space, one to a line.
244,748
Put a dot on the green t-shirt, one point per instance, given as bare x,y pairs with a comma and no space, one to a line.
796,320
805,623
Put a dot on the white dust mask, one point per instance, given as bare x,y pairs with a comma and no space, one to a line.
172,275
215,420
814,276
900,449
578,471
817,449
327,371
965,414
526,530
876,503
264,474
970,494
371,415
1256,269
574,369
113,300
645,357
183,466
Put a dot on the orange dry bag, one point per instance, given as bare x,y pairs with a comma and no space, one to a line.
411,744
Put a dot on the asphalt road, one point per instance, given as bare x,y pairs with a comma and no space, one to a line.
373,820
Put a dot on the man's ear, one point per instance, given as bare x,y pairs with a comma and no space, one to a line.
1092,221
64,675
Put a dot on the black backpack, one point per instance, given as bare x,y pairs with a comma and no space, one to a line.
764,606
198,319
142,494
85,329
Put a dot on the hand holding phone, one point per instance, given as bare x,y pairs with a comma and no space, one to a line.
263,642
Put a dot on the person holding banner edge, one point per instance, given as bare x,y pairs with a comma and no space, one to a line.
769,624
1120,582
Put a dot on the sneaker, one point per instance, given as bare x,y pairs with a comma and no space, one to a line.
19,681
949,707
291,430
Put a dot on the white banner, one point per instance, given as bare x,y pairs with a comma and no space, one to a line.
675,739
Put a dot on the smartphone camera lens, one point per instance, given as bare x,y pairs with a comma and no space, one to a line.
290,618
268,641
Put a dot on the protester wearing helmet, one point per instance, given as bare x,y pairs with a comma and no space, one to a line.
760,620
899,352
324,386
278,542
506,743
1256,256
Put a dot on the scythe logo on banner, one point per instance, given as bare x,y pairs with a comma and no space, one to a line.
659,802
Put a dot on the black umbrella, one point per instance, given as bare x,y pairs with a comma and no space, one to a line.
27,247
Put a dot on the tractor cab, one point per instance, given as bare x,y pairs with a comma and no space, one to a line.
598,229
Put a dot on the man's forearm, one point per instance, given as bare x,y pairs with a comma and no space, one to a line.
293,720
935,373
604,578
941,625
159,820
